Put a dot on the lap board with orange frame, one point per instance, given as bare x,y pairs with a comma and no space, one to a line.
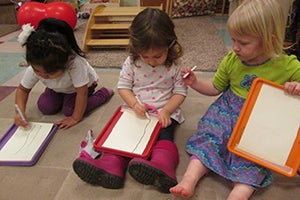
268,129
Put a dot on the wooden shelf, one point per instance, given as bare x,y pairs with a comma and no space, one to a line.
109,26
166,4
107,42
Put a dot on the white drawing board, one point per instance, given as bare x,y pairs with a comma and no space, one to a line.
128,134
268,131
20,146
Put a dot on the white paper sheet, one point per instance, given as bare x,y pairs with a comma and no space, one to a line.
24,143
131,133
272,126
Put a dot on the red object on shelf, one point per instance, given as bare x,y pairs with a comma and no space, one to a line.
34,12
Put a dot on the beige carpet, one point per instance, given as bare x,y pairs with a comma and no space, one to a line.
202,45
52,177
8,28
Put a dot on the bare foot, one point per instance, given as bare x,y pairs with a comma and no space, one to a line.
184,189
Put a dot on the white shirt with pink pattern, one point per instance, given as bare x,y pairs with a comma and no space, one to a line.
153,85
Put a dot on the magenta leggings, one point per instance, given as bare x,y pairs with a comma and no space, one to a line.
51,102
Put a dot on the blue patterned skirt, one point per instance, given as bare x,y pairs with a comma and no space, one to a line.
209,145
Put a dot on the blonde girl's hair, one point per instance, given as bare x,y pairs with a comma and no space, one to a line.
264,19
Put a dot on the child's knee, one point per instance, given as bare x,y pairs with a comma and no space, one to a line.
47,108
49,102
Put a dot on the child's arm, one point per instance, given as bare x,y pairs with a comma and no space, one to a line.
164,115
130,99
292,88
21,98
79,109
204,87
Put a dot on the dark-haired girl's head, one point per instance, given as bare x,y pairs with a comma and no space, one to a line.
49,48
62,27
48,51
152,29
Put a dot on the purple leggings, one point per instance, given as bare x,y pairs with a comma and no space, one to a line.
51,102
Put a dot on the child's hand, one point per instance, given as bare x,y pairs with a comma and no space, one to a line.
139,109
164,118
20,122
190,79
292,88
66,122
